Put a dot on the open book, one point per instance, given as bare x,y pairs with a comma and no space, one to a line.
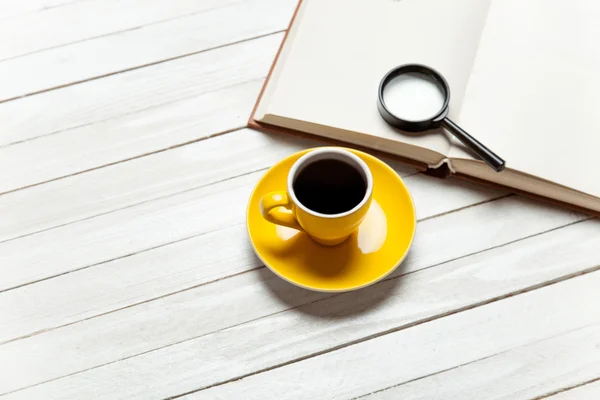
524,78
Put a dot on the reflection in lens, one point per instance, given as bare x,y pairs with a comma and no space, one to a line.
413,97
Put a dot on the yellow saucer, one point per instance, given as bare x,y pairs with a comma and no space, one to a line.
370,254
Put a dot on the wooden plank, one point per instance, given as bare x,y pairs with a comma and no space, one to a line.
137,90
146,127
171,268
198,164
256,342
81,20
426,349
589,391
149,44
523,373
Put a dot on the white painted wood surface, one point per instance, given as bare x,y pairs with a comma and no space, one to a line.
124,263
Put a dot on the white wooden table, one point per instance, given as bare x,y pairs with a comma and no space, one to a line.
125,270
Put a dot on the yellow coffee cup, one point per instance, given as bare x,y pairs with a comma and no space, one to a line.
328,194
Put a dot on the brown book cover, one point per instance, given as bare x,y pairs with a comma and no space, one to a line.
441,172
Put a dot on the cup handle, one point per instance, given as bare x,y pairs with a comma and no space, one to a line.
269,205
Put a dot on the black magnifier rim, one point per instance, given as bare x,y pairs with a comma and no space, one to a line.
408,125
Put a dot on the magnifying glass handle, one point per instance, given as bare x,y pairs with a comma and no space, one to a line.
483,152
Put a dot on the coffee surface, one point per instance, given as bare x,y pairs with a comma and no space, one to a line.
330,187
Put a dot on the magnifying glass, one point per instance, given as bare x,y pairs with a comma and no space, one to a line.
415,98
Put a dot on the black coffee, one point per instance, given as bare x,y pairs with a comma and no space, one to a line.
330,186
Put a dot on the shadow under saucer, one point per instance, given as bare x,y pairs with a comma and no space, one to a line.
323,305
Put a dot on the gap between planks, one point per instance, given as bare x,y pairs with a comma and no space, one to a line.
559,394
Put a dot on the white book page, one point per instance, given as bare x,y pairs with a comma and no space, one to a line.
534,92
343,48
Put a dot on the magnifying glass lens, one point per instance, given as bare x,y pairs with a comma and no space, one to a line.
413,96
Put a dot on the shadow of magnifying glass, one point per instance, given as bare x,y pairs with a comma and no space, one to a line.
415,98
